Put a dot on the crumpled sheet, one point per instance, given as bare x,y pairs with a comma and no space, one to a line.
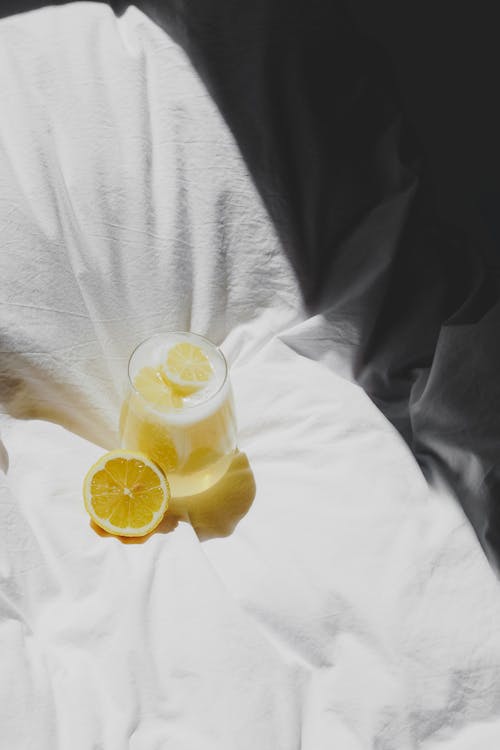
348,604
384,197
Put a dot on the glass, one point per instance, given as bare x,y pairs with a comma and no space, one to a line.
191,436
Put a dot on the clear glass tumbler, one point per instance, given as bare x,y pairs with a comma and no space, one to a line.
179,409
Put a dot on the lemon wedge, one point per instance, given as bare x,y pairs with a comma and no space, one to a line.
125,493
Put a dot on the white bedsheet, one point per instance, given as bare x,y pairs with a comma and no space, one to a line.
351,606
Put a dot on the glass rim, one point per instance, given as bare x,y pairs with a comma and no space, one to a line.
186,406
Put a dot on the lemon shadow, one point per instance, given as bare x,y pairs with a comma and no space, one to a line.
217,511
166,525
212,513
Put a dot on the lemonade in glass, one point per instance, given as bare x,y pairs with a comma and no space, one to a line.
179,410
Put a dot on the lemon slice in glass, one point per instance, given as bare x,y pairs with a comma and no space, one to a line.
187,368
157,391
125,493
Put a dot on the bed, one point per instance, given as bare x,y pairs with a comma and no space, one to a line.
338,596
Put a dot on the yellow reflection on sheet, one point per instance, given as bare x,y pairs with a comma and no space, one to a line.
216,511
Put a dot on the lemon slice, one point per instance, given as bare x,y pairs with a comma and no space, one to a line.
125,493
156,389
156,442
187,368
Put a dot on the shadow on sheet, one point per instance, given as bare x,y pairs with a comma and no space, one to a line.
213,513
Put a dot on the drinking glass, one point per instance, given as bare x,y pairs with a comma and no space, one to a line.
191,436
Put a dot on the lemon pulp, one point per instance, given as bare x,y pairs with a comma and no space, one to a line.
125,493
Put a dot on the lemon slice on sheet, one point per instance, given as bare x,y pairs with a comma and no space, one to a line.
125,493
187,368
157,391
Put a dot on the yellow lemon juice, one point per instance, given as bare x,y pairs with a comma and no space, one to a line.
179,410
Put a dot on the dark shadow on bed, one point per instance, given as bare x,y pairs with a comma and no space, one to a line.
370,133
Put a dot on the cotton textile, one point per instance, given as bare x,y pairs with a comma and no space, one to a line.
348,604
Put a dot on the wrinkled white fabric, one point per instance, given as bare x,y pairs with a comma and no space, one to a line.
351,606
